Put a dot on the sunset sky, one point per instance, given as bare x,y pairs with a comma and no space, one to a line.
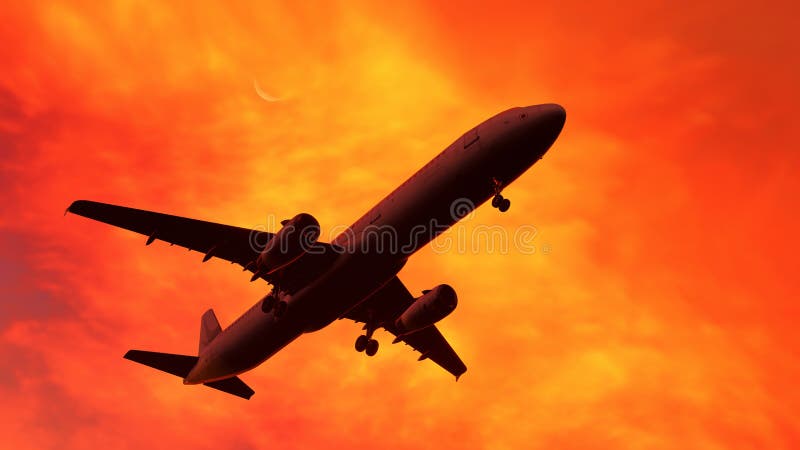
661,310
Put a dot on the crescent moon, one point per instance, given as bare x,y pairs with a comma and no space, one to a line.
263,94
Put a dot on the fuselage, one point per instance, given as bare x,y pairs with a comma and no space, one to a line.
376,246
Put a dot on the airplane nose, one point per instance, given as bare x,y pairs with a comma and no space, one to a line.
549,117
556,113
545,123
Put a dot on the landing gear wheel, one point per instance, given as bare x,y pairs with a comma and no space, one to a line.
504,205
268,304
280,308
361,343
372,347
497,200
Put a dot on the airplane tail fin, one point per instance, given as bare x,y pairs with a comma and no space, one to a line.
209,329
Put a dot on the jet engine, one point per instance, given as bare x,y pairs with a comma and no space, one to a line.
292,241
433,306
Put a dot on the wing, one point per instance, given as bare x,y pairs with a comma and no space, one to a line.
384,306
234,244
237,245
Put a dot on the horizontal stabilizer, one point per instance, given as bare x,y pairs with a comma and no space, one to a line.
178,365
233,386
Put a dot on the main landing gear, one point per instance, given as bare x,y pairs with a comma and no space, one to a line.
271,302
498,201
365,343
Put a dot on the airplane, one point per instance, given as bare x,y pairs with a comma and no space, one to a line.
355,275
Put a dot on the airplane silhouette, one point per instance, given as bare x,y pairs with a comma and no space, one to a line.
355,275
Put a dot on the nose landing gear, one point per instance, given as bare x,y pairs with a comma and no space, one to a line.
498,201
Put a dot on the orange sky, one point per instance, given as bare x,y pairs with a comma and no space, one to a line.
663,316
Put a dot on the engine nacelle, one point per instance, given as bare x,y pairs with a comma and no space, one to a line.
433,306
292,241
